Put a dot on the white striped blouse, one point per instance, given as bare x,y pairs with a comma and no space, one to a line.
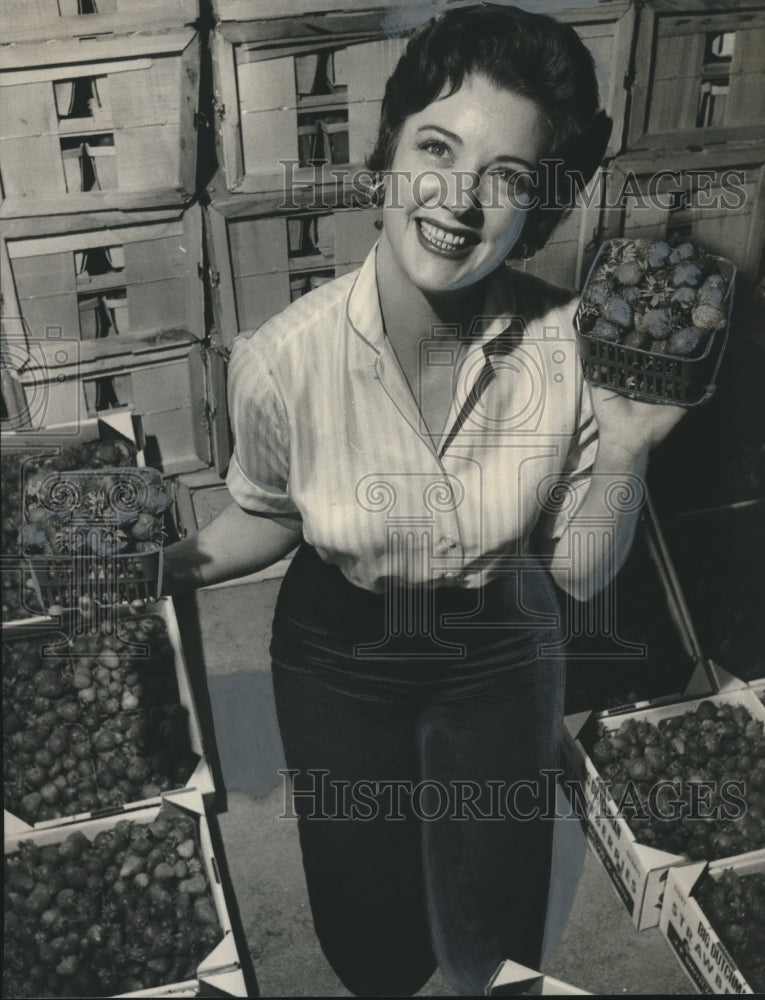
326,427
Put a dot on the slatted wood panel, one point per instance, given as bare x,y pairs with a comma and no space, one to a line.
154,264
169,393
727,217
566,257
25,19
262,67
141,116
676,63
254,269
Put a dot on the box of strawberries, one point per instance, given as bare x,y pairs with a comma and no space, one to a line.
654,320
713,916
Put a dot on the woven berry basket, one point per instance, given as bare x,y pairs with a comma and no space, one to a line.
93,538
68,583
640,372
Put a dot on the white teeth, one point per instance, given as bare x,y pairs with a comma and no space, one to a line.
440,238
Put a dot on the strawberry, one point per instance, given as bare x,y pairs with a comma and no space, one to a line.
658,253
683,252
598,293
684,297
708,318
687,274
710,295
655,322
618,312
629,273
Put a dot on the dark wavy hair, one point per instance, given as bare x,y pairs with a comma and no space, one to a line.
531,55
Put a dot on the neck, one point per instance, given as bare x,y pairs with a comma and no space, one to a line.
409,314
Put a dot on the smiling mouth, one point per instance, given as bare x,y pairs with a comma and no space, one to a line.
443,242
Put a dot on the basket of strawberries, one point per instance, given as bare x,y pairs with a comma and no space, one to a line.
653,321
93,537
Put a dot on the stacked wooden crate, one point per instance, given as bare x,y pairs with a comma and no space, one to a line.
102,283
692,164
102,239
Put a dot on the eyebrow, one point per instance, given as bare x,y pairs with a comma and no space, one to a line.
457,139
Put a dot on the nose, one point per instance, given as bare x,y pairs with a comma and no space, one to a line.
455,190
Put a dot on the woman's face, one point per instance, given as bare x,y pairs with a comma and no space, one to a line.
454,199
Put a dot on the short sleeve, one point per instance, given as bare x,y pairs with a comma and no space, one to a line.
258,472
567,495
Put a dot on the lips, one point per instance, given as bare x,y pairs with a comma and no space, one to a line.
444,242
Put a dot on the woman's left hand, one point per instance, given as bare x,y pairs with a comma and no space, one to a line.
630,424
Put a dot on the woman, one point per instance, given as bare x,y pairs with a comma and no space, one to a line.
422,427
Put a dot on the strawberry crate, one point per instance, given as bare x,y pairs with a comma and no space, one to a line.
106,529
100,119
646,374
512,979
214,963
638,870
697,937
143,743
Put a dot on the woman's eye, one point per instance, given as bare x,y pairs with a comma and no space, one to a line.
513,182
436,147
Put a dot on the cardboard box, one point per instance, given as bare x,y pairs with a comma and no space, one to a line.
222,964
512,979
98,120
698,75
693,939
86,288
200,781
638,873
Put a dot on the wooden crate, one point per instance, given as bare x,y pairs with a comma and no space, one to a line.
166,386
261,262
98,121
282,96
22,19
102,285
567,255
713,199
699,74
298,99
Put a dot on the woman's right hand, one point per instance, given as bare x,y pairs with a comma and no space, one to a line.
236,543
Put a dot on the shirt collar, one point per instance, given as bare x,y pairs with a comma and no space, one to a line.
365,314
